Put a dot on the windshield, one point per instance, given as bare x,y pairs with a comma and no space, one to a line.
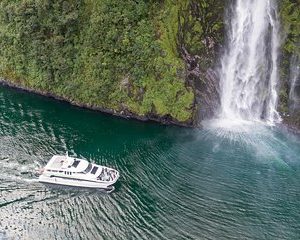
94,170
75,163
89,167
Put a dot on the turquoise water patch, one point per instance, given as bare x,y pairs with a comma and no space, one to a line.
214,183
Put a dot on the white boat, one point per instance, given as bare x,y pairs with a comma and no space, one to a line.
70,171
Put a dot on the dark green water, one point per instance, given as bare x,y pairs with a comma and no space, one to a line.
175,183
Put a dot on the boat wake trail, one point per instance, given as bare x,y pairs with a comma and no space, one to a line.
232,177
31,180
18,169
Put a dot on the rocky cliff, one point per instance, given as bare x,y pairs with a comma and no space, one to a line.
143,59
289,104
151,60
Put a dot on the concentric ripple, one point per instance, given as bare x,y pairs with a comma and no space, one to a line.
215,183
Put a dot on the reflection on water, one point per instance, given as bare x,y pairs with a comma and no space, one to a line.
215,183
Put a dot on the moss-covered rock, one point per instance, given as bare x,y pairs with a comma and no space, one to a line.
200,36
127,57
290,19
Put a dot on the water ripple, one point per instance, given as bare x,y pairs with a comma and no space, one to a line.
175,183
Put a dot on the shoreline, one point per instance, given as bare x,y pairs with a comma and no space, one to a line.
124,114
163,120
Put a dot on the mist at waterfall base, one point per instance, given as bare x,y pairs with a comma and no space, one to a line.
237,178
175,183
249,75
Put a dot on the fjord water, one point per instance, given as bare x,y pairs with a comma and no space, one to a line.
237,178
175,183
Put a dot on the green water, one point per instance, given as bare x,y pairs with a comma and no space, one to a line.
175,183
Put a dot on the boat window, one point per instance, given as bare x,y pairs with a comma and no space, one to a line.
75,163
89,167
94,170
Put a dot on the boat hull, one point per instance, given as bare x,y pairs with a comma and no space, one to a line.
75,183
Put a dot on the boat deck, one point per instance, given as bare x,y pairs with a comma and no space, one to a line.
58,162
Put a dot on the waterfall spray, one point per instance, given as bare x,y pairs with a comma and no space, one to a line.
249,67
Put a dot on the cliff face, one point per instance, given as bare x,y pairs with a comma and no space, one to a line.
289,104
144,59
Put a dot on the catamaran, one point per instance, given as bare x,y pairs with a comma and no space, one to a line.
70,171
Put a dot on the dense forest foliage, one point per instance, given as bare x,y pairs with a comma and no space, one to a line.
137,58
290,15
121,55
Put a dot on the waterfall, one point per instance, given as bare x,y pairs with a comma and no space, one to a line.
249,66
294,95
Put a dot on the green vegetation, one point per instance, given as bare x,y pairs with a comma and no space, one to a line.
122,55
201,29
290,15
117,55
290,18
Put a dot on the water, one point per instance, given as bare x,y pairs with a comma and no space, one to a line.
214,183
237,178
249,67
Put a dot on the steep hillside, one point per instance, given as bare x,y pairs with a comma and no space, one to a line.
142,59
290,18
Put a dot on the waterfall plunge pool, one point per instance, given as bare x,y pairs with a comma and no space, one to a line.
220,182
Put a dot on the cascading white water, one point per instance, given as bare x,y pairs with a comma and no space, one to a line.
249,67
294,95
